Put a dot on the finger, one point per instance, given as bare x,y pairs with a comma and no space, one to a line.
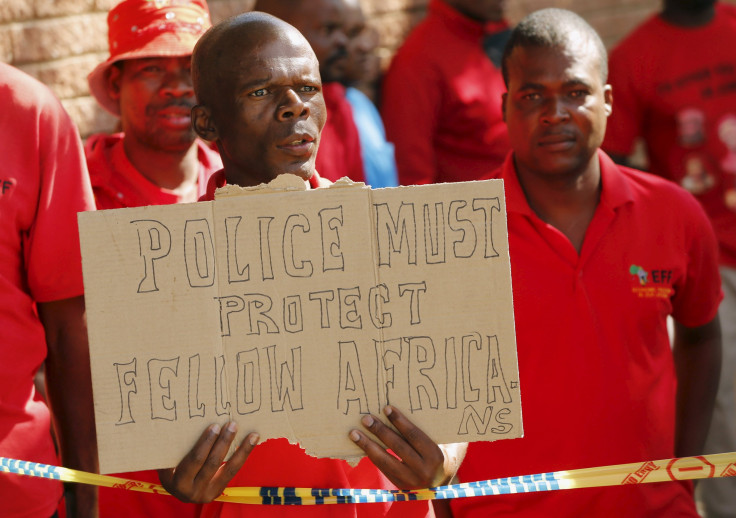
421,444
392,439
387,463
192,462
228,470
216,455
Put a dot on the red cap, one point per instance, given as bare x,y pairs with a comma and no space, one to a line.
148,29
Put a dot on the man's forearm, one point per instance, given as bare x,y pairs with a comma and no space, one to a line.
69,391
697,354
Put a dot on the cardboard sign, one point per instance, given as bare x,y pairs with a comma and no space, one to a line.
294,313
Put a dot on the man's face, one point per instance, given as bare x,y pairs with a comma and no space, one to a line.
269,122
556,107
156,99
362,62
322,23
480,10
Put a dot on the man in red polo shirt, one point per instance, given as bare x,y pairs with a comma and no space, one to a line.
260,99
322,24
157,159
43,185
600,256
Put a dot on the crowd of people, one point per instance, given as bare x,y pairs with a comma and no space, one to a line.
467,97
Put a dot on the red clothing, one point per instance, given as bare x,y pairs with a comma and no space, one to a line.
339,145
441,101
43,185
596,371
118,184
278,463
674,87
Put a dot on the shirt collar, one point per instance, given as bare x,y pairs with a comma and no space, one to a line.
461,24
615,191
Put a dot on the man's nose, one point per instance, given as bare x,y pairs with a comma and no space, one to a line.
291,106
555,111
178,82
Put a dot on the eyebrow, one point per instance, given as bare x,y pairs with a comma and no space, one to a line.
567,84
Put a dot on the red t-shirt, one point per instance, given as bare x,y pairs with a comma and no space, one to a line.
277,463
676,88
43,185
441,101
118,184
339,145
596,371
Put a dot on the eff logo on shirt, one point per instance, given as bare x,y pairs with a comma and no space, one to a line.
651,283
6,186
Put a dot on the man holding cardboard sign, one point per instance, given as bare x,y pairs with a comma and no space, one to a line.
601,255
259,91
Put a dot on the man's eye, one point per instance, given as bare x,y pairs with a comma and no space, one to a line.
578,94
532,97
259,93
309,88
151,69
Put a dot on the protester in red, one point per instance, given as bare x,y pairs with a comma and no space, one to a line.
43,185
321,22
157,159
441,101
260,99
673,80
600,256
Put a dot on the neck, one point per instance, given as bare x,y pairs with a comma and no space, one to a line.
176,171
567,202
675,14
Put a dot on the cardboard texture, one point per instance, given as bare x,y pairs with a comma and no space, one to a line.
293,313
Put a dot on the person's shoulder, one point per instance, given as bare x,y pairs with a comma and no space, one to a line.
24,99
659,192
641,37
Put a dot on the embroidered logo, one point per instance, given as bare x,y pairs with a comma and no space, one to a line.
651,283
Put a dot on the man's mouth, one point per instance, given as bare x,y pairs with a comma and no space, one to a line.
556,141
299,145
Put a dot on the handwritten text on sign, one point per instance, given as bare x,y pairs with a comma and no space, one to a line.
294,313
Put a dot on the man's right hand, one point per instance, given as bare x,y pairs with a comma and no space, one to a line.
201,475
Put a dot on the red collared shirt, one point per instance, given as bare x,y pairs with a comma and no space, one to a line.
597,377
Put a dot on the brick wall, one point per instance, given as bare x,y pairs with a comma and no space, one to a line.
60,41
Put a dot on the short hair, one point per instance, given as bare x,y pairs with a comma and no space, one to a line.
210,58
550,28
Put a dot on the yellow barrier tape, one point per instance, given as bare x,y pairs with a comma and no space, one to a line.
685,468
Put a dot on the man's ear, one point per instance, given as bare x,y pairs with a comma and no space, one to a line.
608,98
504,98
112,81
203,124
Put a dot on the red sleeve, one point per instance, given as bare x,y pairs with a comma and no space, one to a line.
412,95
697,298
51,250
625,122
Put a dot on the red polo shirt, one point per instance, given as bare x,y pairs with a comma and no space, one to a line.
596,371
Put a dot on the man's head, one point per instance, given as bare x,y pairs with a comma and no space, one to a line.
259,98
480,10
362,63
146,80
557,102
322,23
